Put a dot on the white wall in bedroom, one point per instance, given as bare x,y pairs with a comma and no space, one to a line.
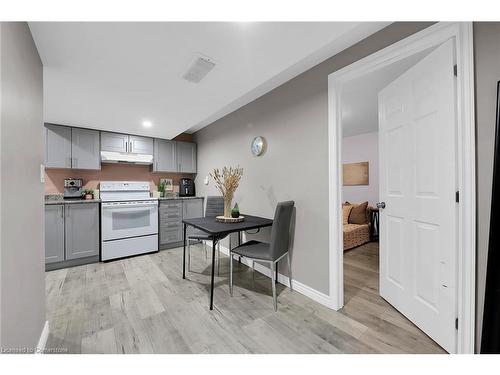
358,148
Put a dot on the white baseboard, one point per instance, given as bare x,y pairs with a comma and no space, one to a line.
43,338
282,279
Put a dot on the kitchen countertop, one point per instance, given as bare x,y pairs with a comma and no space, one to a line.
178,198
50,201
58,200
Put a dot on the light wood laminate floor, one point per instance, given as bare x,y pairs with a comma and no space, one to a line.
142,305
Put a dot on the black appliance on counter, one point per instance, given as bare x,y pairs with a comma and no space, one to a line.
186,187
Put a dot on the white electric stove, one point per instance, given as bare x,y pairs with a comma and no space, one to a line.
129,219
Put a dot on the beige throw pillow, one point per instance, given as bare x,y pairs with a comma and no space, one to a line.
358,214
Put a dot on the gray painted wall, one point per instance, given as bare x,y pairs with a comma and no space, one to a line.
294,120
487,67
22,277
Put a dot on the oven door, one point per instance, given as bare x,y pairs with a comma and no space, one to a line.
129,219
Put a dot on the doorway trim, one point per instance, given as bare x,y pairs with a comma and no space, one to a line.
430,37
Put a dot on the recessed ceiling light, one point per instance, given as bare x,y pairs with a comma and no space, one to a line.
147,124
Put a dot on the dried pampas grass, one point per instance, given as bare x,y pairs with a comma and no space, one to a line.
227,182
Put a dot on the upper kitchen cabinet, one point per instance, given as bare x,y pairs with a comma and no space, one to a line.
165,156
140,145
85,150
67,147
114,142
186,157
57,146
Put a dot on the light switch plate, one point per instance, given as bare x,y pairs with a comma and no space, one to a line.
206,180
42,173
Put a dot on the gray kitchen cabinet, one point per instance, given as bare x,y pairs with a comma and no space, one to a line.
57,146
165,156
81,230
140,145
171,214
85,149
192,208
170,222
186,157
114,142
54,233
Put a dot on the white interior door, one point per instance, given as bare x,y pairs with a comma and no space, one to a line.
417,183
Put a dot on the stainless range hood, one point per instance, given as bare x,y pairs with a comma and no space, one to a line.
126,157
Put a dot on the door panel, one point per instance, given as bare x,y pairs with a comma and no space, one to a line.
426,165
54,233
165,156
186,157
418,183
82,230
114,142
57,146
85,149
141,145
395,171
394,255
192,208
427,263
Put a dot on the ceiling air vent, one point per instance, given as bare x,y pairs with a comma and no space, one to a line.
200,67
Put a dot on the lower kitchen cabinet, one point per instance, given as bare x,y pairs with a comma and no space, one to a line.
192,208
54,233
71,234
82,230
170,222
172,212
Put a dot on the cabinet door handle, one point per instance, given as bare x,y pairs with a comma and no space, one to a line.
131,146
62,211
126,146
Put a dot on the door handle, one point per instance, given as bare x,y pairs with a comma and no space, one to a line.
126,146
381,205
130,148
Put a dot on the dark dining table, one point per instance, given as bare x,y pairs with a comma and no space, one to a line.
218,231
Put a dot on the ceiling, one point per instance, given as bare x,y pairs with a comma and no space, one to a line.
360,96
114,76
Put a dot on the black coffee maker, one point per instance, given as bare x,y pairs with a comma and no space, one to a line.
186,187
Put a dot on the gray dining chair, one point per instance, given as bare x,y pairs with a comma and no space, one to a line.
214,207
269,252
